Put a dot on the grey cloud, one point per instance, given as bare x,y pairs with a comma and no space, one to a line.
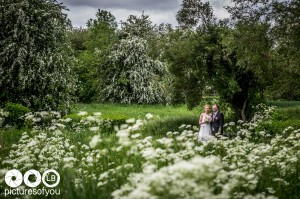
158,10
126,4
219,4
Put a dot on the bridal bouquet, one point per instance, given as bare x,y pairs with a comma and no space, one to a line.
207,119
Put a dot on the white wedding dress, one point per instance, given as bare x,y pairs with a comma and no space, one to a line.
205,129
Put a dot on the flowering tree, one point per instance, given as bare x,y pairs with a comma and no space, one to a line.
35,66
130,76
138,26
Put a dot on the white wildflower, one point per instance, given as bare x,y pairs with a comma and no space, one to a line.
82,113
135,136
94,141
91,118
130,121
149,116
94,128
89,159
97,114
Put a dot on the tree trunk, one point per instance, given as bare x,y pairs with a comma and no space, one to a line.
244,118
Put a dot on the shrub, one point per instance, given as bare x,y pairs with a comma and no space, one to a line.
287,113
279,103
113,120
16,111
41,119
161,126
286,117
279,126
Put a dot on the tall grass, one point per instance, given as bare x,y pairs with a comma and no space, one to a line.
117,111
7,138
158,128
285,117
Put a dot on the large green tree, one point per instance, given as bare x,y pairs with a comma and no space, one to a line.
187,67
283,20
186,52
241,66
96,41
35,58
236,60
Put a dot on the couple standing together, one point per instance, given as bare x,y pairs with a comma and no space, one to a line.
210,124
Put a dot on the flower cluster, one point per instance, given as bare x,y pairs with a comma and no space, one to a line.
198,177
207,119
128,164
243,165
41,119
256,128
3,115
42,151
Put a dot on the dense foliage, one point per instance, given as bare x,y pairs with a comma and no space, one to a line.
36,67
92,47
245,59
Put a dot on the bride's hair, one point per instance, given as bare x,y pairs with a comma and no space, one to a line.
206,105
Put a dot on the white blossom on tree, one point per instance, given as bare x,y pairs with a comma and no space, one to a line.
35,61
131,76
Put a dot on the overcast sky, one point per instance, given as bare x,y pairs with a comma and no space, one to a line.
160,11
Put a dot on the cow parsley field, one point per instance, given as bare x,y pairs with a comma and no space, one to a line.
96,160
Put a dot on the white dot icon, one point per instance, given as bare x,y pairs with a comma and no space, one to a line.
36,174
13,178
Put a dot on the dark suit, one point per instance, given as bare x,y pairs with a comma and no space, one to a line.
217,122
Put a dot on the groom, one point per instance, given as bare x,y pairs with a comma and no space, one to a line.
217,121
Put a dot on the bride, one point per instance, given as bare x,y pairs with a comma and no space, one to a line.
205,128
